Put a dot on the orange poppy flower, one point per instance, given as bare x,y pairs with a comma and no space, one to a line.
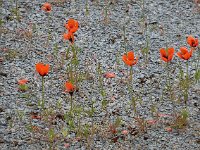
22,81
42,69
71,25
46,7
70,88
193,42
69,36
129,58
184,53
167,54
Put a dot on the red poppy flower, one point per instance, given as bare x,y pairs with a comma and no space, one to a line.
69,36
70,88
129,58
42,69
167,54
46,7
71,25
193,42
22,81
184,53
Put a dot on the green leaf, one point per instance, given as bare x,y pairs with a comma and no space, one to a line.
58,104
184,114
64,132
104,103
197,75
118,122
51,135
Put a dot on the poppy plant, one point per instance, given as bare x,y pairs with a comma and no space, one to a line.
167,55
184,53
47,7
42,69
70,88
129,58
71,25
69,36
193,42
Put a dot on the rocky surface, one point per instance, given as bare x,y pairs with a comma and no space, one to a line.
101,40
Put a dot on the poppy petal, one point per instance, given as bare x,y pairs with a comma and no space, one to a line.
163,52
42,69
66,36
69,86
170,57
183,50
186,56
171,51
130,55
196,42
190,40
179,54
124,58
46,7
164,59
72,25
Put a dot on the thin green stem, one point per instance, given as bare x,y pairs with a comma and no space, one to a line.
169,83
187,64
42,92
71,103
79,124
131,74
187,83
86,7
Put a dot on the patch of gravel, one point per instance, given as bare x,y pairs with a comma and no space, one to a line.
100,43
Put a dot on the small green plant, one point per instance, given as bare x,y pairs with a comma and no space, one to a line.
180,120
106,12
104,102
23,87
51,136
11,54
1,22
15,11
141,124
20,114
197,75
86,8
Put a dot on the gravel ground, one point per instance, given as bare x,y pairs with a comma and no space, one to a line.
100,41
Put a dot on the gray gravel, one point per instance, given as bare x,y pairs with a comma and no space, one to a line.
99,43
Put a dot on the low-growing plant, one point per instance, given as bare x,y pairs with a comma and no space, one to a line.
141,124
180,120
